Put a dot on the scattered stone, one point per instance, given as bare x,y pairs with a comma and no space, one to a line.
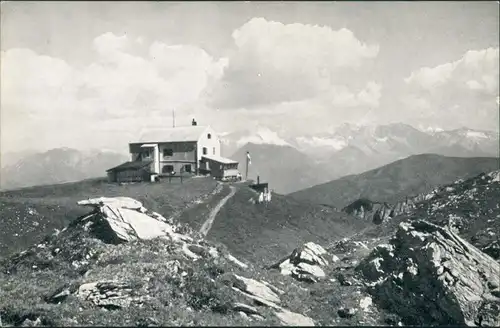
247,309
343,280
256,288
234,260
289,318
31,323
346,313
59,296
110,295
365,303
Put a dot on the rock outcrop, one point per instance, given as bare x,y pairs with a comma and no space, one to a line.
304,263
110,295
429,275
264,294
123,219
381,212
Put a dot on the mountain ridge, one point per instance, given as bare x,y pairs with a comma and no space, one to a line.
59,165
395,181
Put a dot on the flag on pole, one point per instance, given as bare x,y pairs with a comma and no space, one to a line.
249,159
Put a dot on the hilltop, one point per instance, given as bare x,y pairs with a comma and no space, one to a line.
392,183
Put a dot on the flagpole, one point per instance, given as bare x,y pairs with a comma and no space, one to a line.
246,169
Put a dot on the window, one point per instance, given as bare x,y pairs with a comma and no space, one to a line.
187,168
146,154
167,169
214,150
209,136
204,150
168,152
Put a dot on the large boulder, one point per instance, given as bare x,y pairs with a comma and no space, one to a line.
304,263
123,219
429,275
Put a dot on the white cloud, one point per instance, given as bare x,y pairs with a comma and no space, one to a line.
47,92
342,97
464,90
477,70
275,62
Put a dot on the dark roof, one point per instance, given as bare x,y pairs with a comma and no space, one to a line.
131,165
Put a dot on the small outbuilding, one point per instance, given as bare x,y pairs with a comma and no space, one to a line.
134,171
221,168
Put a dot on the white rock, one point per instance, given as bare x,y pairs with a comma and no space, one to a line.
236,261
256,288
313,270
118,202
289,318
128,219
286,267
365,303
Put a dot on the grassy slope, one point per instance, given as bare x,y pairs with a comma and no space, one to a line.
391,183
27,215
257,233
39,272
199,297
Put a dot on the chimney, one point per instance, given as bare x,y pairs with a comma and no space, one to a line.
258,180
193,122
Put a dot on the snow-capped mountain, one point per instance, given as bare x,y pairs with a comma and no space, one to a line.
466,141
352,149
231,142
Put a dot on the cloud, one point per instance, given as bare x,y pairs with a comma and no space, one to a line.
477,70
458,93
341,96
47,93
275,62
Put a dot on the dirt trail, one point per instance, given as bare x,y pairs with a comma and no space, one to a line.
205,228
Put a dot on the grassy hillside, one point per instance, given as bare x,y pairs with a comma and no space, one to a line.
31,213
393,182
260,233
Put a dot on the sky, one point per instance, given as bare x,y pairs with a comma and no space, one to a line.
96,74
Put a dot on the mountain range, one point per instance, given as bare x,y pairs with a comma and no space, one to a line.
289,164
350,149
57,166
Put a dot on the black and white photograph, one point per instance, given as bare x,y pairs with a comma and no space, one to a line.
249,163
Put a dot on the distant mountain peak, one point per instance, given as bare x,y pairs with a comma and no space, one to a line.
263,135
